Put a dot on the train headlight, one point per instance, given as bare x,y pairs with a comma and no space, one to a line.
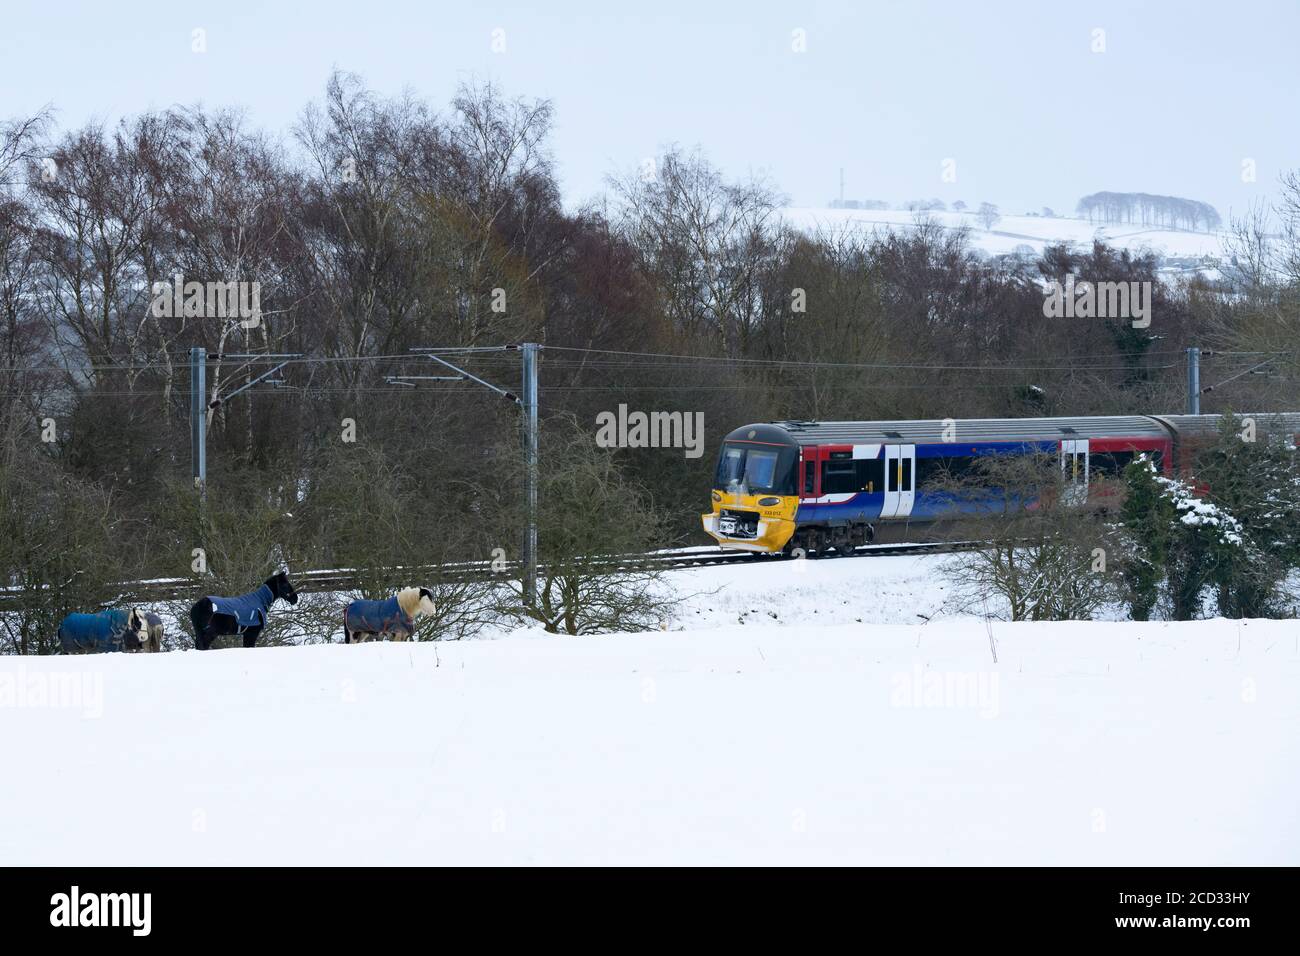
768,502
716,496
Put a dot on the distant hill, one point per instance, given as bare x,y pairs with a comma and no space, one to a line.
1029,235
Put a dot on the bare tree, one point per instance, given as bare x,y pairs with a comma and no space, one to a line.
1042,551
705,241
20,142
57,542
591,518
389,534
100,212
228,218
1261,311
988,215
22,333
1287,211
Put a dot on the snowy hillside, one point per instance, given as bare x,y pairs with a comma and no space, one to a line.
1012,232
844,729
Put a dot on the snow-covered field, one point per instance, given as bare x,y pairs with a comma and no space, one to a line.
1010,232
797,713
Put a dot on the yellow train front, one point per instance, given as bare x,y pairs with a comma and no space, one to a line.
755,490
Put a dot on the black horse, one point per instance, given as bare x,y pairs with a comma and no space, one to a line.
244,615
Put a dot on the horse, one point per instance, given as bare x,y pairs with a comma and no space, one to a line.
112,630
245,615
151,643
396,616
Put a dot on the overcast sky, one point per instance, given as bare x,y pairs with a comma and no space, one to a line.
1012,92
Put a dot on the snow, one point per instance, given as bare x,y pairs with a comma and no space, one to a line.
847,729
1197,512
1036,232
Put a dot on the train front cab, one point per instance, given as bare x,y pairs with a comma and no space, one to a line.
755,495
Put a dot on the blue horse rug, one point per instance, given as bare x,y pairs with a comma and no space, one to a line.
248,610
378,617
96,633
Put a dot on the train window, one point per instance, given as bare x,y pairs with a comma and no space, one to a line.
809,473
839,477
928,469
941,470
901,469
760,466
871,473
730,466
1110,464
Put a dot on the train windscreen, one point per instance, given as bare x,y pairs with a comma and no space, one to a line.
750,469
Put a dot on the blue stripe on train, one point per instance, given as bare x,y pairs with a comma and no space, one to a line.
866,506
969,450
925,505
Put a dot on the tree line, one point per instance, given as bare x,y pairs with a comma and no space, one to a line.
1170,212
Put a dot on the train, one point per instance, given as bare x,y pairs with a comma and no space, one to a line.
815,488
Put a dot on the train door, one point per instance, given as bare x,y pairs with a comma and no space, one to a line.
809,469
1074,469
900,481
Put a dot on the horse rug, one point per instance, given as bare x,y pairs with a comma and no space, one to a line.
248,610
378,617
97,633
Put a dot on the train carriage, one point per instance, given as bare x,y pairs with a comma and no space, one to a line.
823,486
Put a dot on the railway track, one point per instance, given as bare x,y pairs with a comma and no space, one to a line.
344,579
694,557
